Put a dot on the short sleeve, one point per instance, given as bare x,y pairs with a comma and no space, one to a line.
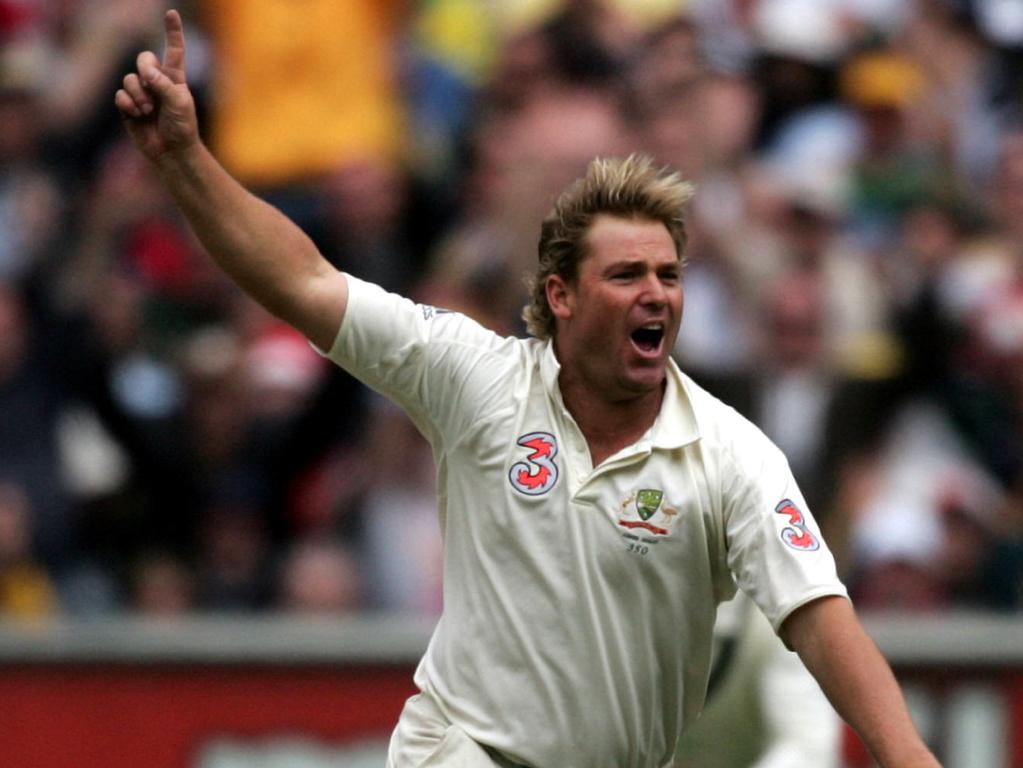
439,366
775,549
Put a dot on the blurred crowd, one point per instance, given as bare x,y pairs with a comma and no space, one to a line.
854,280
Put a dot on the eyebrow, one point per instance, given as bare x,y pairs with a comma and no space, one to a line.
626,264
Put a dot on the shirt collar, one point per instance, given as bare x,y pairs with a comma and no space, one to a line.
550,369
674,426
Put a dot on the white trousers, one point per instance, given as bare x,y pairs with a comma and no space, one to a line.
425,739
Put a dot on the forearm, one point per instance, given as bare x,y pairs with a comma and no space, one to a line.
254,243
258,247
858,681
870,700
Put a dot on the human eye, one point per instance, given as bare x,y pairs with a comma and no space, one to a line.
671,275
624,274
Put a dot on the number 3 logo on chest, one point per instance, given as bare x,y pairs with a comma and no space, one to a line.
538,473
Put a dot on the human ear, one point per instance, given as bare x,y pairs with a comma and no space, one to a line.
559,296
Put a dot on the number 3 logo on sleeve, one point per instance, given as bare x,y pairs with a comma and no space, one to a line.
796,534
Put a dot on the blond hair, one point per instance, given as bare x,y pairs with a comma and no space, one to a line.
629,188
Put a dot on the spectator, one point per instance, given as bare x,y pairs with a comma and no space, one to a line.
291,105
867,153
402,540
30,203
30,399
26,591
319,578
162,586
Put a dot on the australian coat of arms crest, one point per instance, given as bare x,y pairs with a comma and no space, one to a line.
648,502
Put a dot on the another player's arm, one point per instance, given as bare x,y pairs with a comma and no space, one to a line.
858,681
254,243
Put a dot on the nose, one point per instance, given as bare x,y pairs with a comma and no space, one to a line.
655,292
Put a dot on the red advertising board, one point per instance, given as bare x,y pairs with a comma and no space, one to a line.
124,716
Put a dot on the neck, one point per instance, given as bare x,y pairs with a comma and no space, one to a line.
609,424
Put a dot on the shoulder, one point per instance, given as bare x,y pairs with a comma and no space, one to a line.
726,432
717,420
377,319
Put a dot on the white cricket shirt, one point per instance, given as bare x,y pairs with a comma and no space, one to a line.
579,601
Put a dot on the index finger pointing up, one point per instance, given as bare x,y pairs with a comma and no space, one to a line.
174,53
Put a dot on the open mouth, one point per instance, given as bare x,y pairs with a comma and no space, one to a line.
648,338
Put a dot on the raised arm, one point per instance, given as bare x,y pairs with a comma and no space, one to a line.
262,250
856,678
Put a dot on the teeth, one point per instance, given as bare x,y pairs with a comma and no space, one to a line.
653,326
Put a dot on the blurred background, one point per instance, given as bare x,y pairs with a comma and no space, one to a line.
854,284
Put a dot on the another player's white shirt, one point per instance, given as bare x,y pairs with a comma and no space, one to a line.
764,709
579,601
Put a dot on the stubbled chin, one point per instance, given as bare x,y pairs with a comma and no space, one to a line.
646,375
